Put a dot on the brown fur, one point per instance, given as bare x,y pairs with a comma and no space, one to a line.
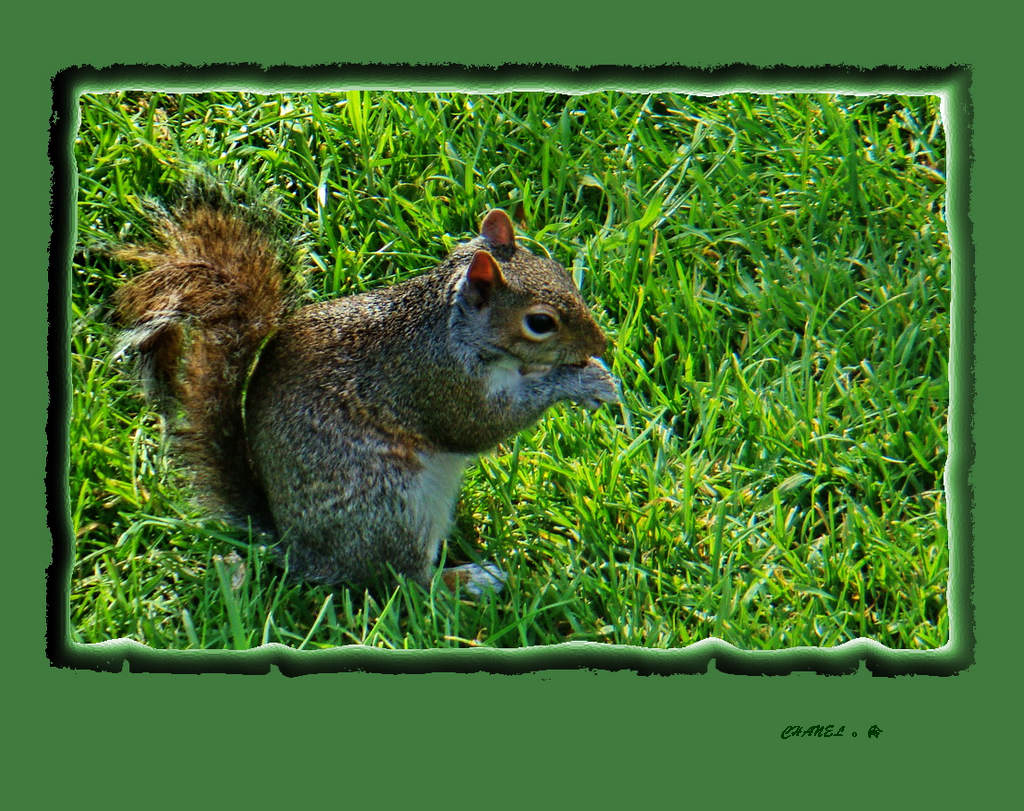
213,291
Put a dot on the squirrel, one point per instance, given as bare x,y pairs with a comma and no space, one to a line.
343,427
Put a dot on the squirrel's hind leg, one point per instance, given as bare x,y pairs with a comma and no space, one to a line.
338,504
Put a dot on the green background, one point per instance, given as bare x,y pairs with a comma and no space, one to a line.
595,737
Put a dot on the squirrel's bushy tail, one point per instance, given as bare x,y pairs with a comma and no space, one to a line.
214,289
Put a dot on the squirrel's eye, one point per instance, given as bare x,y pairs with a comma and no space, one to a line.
539,326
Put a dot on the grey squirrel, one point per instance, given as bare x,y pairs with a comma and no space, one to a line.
343,427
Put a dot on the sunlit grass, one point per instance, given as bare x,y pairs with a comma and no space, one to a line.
773,272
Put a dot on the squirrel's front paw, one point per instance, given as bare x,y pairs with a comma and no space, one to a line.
595,385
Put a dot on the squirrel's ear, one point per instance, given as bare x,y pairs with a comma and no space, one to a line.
498,230
481,279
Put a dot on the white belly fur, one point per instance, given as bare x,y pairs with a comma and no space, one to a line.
431,499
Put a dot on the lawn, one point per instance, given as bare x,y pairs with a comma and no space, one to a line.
773,272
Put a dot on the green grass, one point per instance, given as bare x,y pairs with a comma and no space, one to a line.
773,272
